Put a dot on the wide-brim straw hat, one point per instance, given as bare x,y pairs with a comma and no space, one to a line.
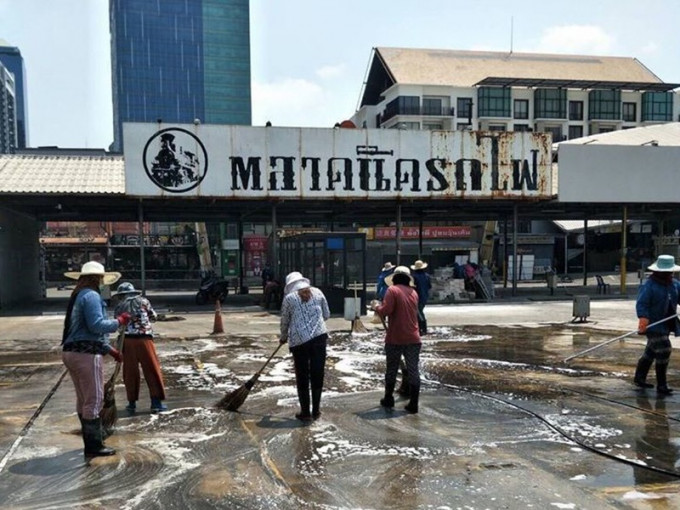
126,288
664,264
294,282
419,264
94,268
388,266
400,270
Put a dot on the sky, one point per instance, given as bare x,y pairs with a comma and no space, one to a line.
309,57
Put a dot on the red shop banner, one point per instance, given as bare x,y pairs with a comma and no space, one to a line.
255,248
255,243
428,232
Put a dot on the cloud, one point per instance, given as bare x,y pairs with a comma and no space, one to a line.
302,103
329,72
286,102
576,39
650,48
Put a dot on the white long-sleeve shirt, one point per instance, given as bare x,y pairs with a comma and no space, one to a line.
301,321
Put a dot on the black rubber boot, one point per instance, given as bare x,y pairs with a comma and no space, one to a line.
388,399
412,406
643,366
316,403
303,397
92,437
661,383
403,387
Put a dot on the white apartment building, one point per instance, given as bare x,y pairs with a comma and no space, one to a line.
569,96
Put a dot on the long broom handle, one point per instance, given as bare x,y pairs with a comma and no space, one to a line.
257,374
615,339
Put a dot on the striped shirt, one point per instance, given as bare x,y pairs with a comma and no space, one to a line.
301,321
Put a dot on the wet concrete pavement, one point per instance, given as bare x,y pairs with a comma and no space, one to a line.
504,422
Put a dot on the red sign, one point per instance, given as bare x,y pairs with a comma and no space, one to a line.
428,232
255,243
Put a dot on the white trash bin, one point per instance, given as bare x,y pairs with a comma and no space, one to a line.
581,309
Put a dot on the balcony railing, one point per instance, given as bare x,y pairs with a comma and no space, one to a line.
425,111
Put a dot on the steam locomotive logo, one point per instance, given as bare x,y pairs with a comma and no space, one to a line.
175,160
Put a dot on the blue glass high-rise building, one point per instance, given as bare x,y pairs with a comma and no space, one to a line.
11,59
180,60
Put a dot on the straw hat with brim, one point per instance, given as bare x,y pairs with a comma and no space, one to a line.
94,268
126,288
388,266
400,270
294,282
419,264
664,264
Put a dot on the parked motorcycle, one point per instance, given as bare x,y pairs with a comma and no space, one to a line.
212,288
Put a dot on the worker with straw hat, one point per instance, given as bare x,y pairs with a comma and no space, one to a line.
402,337
85,341
423,286
657,300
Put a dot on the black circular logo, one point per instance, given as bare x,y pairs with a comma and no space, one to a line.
175,160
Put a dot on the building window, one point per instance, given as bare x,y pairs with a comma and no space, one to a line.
403,105
657,106
494,102
433,126
550,104
432,106
521,127
604,104
464,106
496,127
555,131
575,132
405,125
521,109
575,110
463,126
629,112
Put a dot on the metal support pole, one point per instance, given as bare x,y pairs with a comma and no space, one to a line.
142,264
505,252
420,239
515,222
276,263
241,255
659,239
585,252
624,248
398,234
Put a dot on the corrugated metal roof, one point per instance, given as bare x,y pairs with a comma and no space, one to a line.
577,225
459,68
659,134
62,174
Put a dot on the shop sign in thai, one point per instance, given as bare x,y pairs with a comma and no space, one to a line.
459,232
244,162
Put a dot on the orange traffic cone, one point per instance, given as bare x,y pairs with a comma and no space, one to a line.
218,327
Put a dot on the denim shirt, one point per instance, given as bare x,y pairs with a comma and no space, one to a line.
89,324
656,301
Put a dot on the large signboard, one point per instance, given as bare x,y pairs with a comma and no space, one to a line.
243,162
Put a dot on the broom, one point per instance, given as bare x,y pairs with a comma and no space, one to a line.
232,401
109,413
357,325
